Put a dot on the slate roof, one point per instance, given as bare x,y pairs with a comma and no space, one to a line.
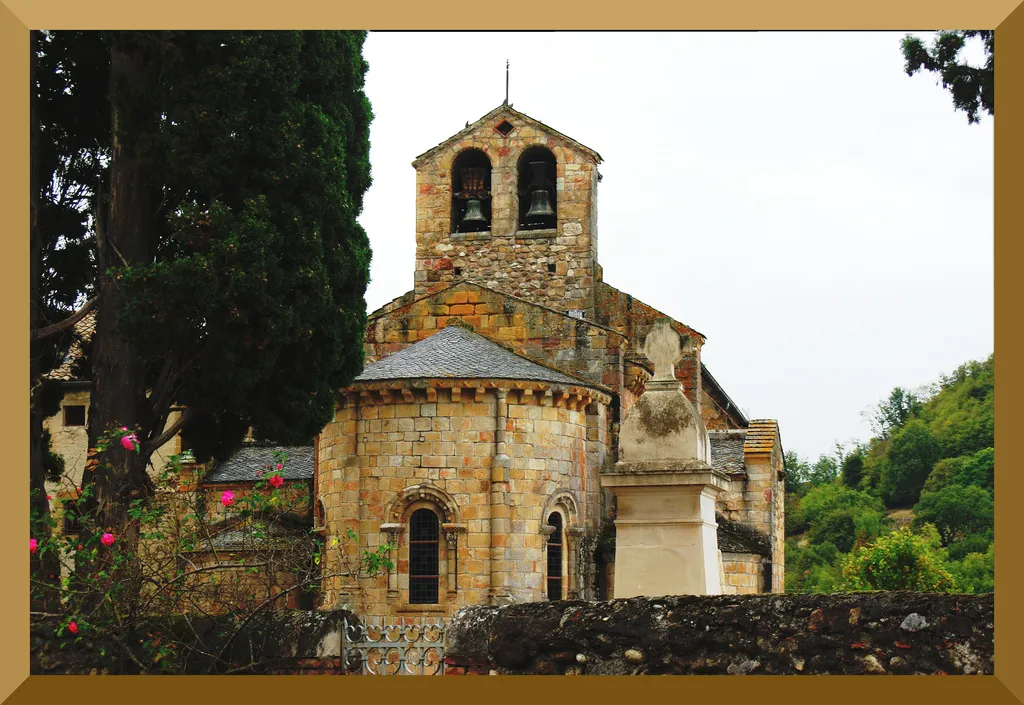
734,537
242,466
457,353
727,450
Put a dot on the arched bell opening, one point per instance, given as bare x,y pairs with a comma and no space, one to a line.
537,180
471,192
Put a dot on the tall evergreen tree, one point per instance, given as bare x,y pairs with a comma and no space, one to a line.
231,268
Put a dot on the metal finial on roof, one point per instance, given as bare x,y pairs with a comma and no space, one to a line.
506,81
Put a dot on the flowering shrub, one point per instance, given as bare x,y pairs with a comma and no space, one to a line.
175,556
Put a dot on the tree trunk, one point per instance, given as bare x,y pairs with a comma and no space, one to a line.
119,385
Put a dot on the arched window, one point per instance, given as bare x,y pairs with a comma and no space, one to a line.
424,538
537,181
555,557
471,192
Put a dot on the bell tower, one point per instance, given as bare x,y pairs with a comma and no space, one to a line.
511,204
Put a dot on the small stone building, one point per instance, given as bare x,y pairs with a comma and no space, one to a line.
493,395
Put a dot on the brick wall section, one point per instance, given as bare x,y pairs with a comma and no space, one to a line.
504,257
863,633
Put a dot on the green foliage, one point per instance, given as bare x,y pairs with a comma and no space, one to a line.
976,572
971,543
977,469
852,471
972,88
825,499
934,448
962,415
913,452
894,411
812,568
900,560
956,511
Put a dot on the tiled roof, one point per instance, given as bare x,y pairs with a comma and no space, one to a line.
727,450
734,537
761,435
457,353
243,465
83,331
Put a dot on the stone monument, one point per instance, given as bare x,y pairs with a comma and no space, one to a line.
666,535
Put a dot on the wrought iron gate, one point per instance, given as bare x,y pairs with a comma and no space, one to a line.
393,650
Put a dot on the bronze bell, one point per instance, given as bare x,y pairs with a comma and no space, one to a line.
540,206
474,214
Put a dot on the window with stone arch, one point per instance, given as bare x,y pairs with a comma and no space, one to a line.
537,188
471,192
556,543
424,557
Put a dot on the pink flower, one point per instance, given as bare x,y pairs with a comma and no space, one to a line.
280,466
228,498
33,545
276,480
73,627
124,428
128,442
49,497
107,539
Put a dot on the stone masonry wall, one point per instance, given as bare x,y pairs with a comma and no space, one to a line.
860,633
374,452
548,336
743,573
504,257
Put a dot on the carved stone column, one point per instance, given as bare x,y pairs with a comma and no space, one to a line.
572,549
451,535
393,532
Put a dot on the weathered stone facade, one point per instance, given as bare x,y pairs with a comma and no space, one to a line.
495,455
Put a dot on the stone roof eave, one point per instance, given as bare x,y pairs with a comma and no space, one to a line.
597,392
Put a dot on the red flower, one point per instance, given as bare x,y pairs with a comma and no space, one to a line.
73,627
276,480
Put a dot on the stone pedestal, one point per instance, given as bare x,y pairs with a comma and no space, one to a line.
666,538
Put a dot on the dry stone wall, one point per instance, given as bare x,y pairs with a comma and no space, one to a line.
862,633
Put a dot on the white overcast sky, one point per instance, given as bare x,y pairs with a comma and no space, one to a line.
824,219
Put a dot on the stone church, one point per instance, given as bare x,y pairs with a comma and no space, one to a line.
484,434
